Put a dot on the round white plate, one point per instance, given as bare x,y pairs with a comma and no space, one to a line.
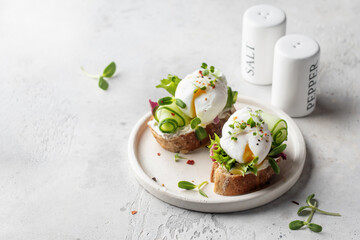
149,160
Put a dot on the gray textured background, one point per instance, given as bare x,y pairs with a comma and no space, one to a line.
64,170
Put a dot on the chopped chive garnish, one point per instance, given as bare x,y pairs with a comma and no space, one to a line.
204,65
203,88
234,138
212,69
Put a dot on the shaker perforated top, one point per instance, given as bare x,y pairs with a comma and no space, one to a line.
297,46
264,16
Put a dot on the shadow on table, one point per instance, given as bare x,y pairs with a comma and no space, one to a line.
331,105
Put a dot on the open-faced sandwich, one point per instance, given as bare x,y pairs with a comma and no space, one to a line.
199,106
248,153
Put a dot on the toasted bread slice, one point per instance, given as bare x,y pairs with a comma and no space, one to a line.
228,184
188,142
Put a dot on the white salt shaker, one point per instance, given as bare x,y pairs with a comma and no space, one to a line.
263,25
296,64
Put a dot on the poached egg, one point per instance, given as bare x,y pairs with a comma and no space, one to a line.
205,97
247,143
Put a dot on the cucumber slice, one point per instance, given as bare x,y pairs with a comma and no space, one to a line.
166,115
277,127
168,126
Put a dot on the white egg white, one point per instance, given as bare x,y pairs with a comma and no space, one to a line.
207,105
260,146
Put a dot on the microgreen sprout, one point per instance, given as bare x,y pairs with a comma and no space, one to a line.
165,101
274,154
195,122
210,71
206,72
189,186
251,122
180,103
311,204
200,132
178,157
108,72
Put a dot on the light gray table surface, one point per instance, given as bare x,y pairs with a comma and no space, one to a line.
64,167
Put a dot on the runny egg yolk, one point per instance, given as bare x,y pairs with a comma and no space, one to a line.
196,94
248,155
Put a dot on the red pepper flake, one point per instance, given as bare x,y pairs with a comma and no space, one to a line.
205,99
295,202
172,114
201,73
134,212
158,154
213,86
265,134
190,162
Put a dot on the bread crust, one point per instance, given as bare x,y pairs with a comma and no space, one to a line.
188,142
228,184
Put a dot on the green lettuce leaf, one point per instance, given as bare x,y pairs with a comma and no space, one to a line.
169,84
219,155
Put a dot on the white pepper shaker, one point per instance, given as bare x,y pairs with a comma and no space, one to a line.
263,25
296,64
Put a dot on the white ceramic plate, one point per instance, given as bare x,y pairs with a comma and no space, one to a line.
147,164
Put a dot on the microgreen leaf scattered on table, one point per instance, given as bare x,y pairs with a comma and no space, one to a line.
108,72
311,204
